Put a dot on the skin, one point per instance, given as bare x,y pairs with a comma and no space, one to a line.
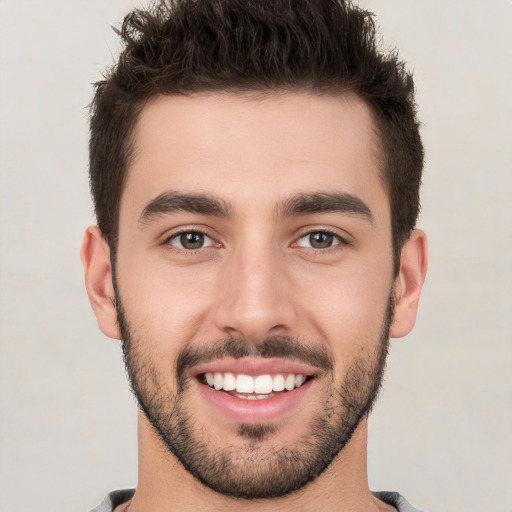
258,277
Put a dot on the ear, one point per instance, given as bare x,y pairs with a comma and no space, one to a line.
408,283
95,256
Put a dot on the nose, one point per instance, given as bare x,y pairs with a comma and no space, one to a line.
255,297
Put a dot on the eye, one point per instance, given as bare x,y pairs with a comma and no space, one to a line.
319,240
190,240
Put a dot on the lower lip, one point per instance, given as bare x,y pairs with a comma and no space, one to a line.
239,410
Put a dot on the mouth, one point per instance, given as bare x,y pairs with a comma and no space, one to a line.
254,391
248,387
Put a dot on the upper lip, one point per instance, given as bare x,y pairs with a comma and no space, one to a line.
255,366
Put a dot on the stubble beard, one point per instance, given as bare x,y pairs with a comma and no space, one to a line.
258,470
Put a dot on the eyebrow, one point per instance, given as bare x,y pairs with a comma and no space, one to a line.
173,202
299,204
325,202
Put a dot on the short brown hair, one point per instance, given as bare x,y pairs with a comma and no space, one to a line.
192,46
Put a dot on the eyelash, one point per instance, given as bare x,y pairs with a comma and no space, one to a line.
342,242
189,252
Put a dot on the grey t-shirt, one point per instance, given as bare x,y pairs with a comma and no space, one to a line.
115,499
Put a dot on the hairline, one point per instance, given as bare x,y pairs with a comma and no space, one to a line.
343,92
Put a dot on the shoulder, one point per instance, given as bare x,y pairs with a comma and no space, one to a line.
396,500
113,500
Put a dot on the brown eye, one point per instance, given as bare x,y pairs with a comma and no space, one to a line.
191,240
319,240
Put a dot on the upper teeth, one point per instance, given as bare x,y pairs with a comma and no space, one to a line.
261,384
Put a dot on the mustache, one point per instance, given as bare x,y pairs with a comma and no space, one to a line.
282,347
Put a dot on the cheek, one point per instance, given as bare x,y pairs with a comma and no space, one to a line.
349,309
164,301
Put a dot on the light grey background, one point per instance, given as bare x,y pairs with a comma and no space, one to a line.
441,433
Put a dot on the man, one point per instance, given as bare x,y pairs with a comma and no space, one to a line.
255,169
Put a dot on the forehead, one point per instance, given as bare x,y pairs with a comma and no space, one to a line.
254,148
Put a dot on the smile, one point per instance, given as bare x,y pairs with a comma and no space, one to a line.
255,390
247,387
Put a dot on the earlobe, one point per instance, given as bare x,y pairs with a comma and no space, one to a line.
408,283
95,254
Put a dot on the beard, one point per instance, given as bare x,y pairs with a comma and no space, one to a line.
254,469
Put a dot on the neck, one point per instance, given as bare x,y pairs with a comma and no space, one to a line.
165,486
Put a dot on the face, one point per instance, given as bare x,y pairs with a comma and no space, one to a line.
254,283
